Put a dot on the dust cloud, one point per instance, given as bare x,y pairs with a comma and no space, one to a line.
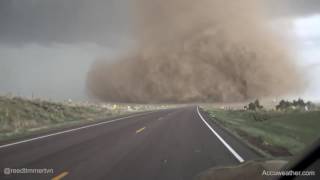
198,51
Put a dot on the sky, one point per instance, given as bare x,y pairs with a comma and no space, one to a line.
307,30
47,47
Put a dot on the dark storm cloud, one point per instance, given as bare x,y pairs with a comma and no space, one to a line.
66,21
293,7
102,21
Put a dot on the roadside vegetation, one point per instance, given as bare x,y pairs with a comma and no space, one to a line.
20,116
283,131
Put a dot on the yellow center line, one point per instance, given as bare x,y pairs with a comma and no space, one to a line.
60,176
140,130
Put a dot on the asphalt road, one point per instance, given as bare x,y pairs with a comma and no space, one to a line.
175,144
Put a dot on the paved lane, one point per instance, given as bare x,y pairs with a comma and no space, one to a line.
169,144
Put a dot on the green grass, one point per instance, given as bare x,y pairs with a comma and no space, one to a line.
293,130
19,116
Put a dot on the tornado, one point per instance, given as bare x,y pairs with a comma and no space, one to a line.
198,51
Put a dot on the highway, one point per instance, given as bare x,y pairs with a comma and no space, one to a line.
173,144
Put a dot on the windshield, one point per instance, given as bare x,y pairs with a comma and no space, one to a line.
157,89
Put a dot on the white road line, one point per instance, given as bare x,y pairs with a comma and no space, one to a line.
233,152
71,130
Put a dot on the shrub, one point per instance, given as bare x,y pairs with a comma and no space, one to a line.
299,104
253,106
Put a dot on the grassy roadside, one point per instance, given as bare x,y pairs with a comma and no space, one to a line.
277,134
20,117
